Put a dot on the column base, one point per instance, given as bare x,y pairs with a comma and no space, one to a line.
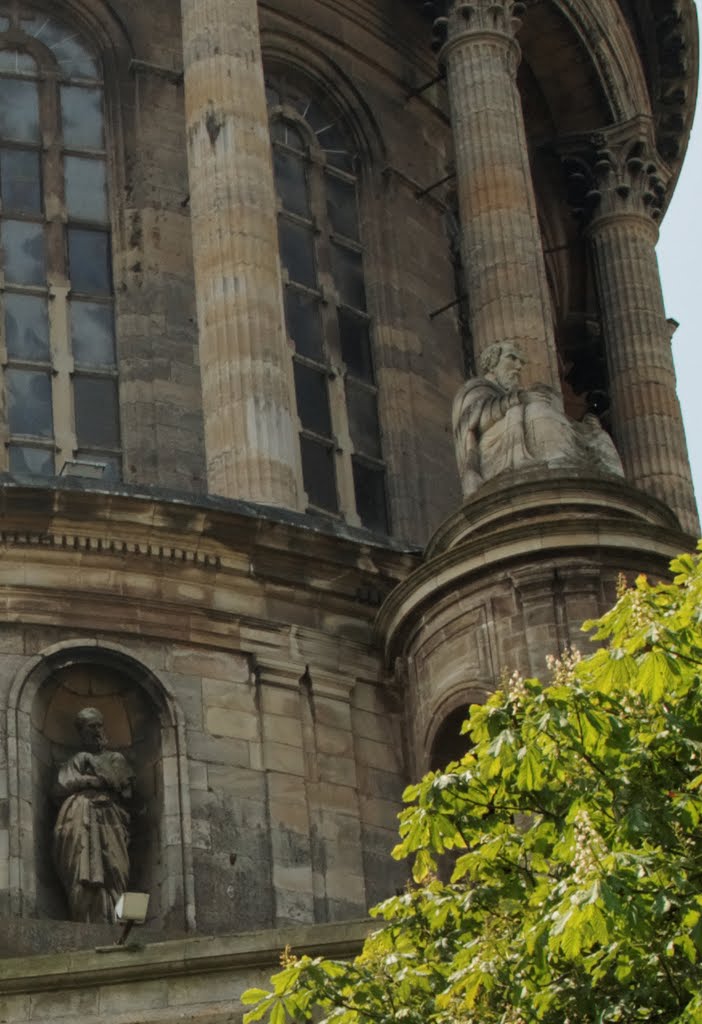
509,579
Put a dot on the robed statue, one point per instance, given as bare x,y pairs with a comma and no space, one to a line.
500,426
91,835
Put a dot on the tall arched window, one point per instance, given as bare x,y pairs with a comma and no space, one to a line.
328,324
58,345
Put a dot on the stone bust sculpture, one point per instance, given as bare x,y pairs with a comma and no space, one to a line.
91,835
499,426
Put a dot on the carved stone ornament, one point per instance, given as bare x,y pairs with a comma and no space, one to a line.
91,835
499,426
480,16
616,171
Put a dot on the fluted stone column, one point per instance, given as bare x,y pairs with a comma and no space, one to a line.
250,436
502,248
647,423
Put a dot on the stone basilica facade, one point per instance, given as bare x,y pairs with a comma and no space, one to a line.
368,294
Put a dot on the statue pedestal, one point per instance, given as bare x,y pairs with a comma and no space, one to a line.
510,578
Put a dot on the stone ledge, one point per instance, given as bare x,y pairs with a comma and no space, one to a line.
178,958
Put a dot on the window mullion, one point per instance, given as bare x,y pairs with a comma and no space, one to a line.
63,368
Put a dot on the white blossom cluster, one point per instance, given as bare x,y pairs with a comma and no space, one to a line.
562,668
589,847
516,688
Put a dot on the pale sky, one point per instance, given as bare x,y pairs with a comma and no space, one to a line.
680,258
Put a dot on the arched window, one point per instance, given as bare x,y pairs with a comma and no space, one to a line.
321,251
58,344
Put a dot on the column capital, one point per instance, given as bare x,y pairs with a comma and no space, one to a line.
616,173
456,19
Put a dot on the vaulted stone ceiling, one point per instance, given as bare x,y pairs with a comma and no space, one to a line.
665,32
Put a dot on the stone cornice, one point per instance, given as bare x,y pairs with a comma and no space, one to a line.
216,542
501,528
666,31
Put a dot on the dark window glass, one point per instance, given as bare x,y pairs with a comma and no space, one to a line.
341,206
26,327
19,111
297,252
32,461
20,181
86,188
312,399
364,428
92,334
332,138
283,131
81,114
318,474
354,334
89,261
29,403
347,266
96,411
303,322
23,248
291,181
369,484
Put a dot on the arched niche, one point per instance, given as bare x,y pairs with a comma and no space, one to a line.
143,722
444,741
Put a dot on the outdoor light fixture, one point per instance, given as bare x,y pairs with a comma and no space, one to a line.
130,909
83,468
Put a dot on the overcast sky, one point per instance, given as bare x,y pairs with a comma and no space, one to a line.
680,258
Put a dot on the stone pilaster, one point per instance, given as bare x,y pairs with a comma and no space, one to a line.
502,248
622,204
250,436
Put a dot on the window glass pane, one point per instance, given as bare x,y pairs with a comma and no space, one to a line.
291,181
26,327
14,61
73,59
347,268
341,206
369,484
297,252
303,322
333,140
291,136
31,461
4,23
318,474
29,403
312,399
92,334
272,95
364,427
86,188
354,334
19,110
20,183
96,411
23,248
81,114
89,261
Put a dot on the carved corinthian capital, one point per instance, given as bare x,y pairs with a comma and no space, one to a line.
616,172
465,17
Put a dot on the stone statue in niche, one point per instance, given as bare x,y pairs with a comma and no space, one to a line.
499,426
91,834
